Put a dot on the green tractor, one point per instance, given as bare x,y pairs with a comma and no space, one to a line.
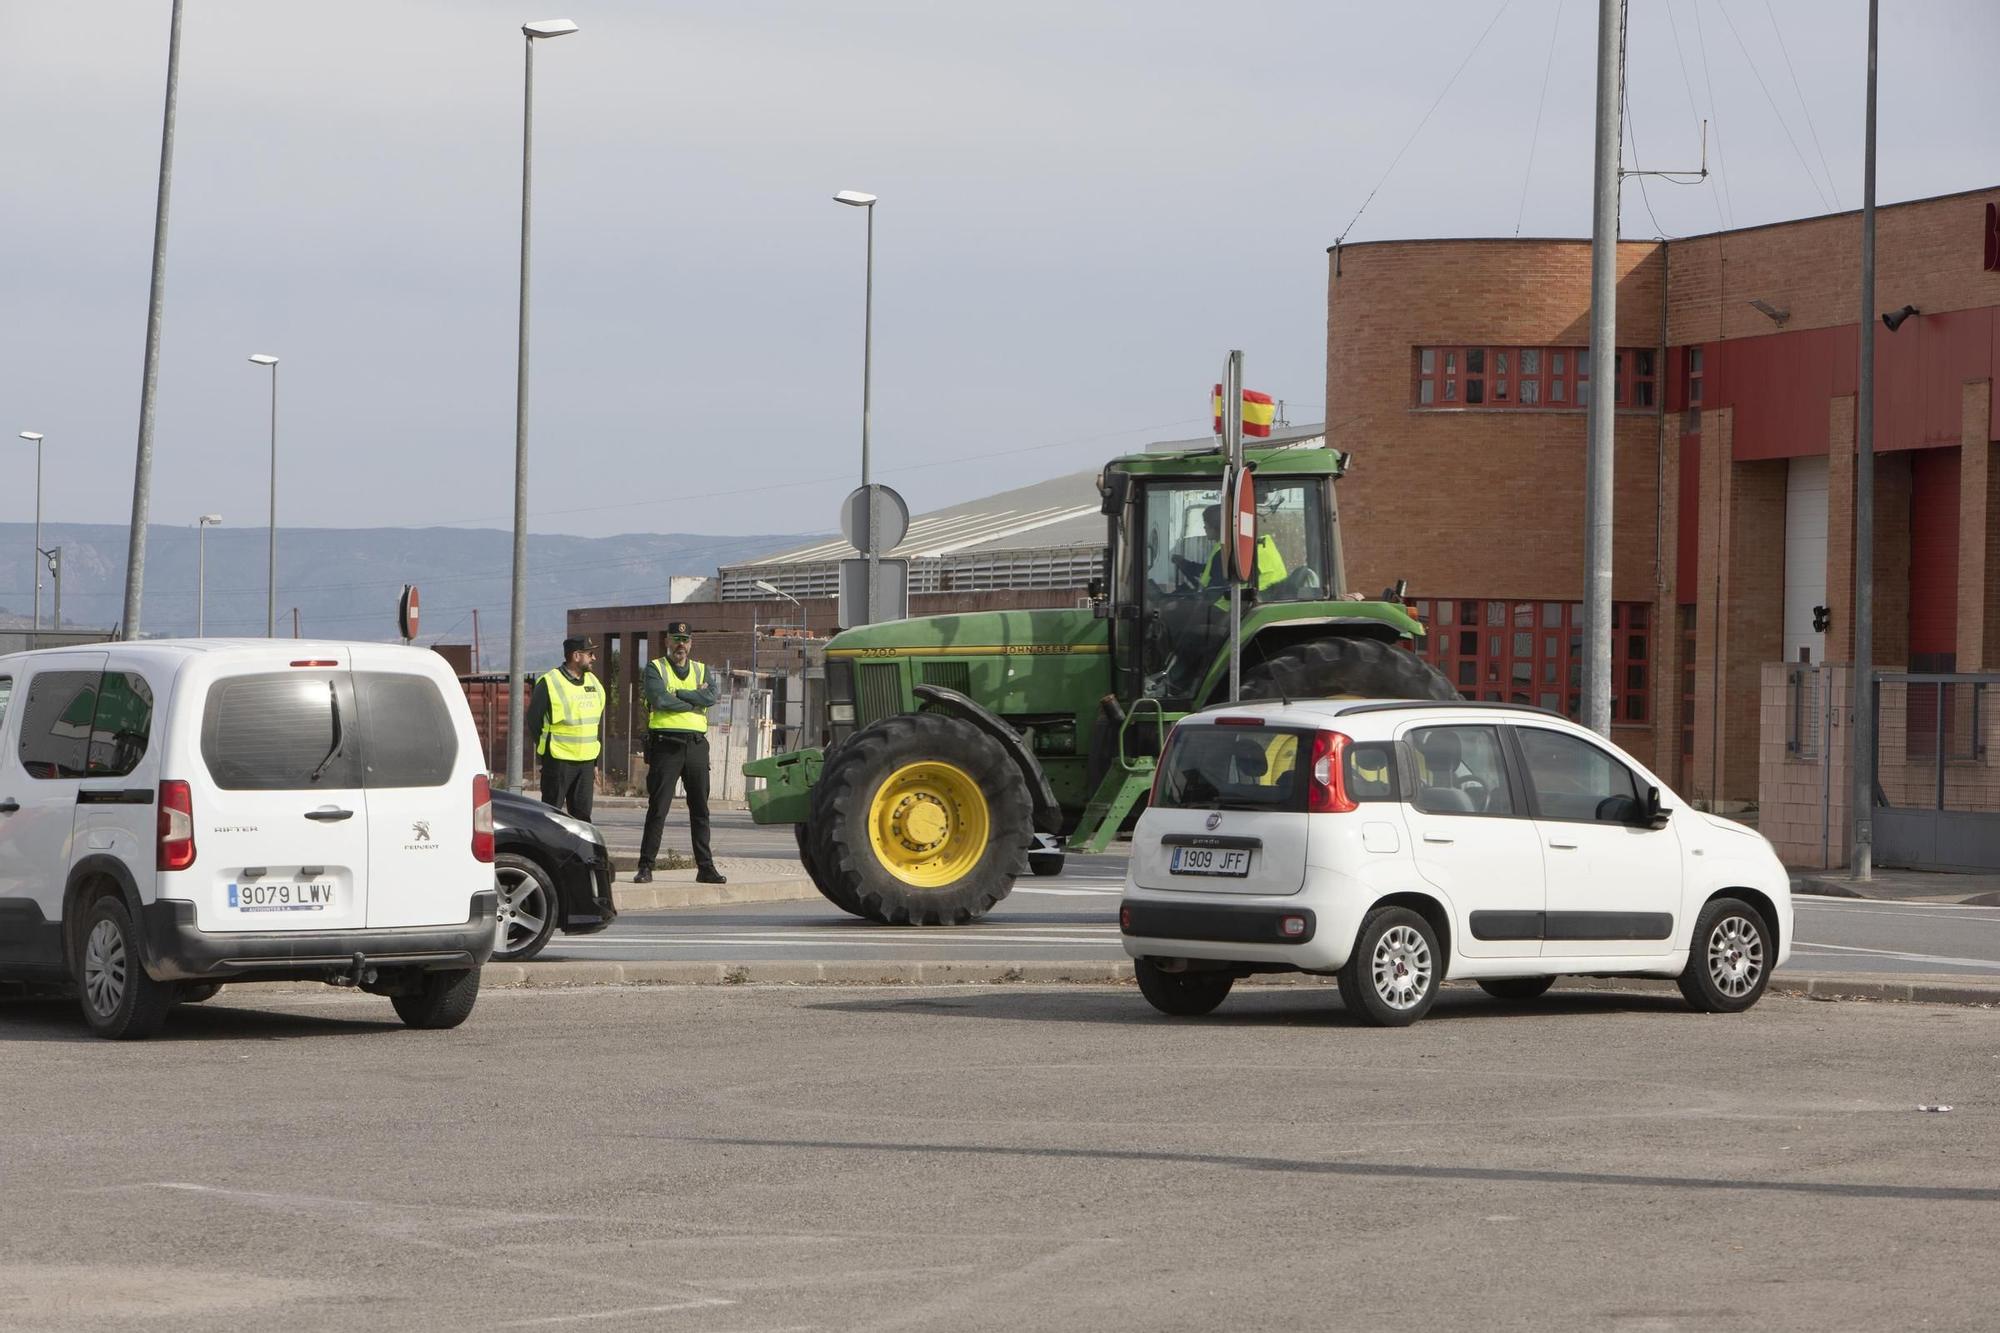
966,749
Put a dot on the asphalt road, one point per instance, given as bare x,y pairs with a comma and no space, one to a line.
1074,918
765,1158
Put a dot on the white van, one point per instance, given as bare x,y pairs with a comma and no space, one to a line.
175,815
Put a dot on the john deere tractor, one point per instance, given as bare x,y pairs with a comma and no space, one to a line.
967,749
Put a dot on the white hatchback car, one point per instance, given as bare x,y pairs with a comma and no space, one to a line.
1396,845
175,815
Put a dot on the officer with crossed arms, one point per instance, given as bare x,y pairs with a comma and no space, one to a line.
679,691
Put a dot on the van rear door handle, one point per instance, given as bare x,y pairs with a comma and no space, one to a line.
9,806
1563,846
1437,837
329,815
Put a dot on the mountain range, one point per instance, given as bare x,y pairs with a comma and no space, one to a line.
345,582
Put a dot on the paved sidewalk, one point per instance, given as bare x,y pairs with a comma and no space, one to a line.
1902,886
752,879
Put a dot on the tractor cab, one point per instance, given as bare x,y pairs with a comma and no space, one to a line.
1168,599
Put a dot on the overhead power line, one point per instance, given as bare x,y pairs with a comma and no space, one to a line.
1505,5
1540,106
1782,124
1831,184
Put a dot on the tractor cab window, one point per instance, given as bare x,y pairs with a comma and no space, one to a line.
1184,595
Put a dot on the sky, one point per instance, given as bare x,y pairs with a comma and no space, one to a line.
1084,205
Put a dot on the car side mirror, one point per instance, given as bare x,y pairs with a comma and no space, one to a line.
1655,814
1096,590
1113,489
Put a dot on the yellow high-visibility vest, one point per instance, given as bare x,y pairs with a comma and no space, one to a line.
691,719
570,733
1270,568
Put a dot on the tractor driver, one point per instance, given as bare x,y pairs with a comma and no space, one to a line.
1270,565
1198,626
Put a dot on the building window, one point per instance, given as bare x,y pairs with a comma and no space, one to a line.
1693,375
1535,377
1539,659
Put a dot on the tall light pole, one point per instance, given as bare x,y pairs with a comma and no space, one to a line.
866,202
1861,786
1602,419
149,382
202,525
518,629
34,437
271,577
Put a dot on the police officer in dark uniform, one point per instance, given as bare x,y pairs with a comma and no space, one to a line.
679,693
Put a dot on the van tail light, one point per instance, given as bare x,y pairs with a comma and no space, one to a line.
176,848
482,818
1327,793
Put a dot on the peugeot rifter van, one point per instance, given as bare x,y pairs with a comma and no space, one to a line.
177,815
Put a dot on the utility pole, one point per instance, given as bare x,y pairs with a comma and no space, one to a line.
54,557
1603,419
295,622
1863,687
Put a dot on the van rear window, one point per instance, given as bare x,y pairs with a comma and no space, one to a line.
1234,768
288,731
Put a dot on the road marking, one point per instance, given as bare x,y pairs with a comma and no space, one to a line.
931,939
1823,902
1073,893
1984,964
705,1303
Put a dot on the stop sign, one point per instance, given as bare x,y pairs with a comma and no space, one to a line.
407,611
1241,507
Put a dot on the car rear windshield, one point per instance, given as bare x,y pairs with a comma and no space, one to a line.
1219,767
294,731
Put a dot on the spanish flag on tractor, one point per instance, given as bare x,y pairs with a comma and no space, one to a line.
1258,412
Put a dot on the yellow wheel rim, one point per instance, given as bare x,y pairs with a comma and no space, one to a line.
929,824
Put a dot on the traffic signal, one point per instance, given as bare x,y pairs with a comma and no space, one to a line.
1822,617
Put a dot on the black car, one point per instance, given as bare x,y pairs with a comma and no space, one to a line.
552,873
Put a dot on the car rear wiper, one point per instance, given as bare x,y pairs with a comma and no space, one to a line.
339,736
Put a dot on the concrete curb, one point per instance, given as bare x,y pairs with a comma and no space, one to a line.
562,975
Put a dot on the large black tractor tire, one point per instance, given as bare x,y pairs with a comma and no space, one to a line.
921,820
803,832
1330,668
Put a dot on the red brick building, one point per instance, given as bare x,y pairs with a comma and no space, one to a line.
1457,374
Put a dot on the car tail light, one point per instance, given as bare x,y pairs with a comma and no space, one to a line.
482,818
1125,918
1292,927
176,847
1327,793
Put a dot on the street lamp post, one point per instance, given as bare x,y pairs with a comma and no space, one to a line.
271,577
866,202
202,525
34,437
518,628
776,591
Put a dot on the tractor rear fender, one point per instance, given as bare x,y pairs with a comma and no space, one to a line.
1267,638
938,699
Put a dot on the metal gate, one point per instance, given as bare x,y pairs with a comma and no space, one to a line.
1937,798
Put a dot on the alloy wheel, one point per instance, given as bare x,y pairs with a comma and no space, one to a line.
104,968
1402,967
523,911
1735,956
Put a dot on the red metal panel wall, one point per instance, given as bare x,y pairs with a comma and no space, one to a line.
1688,556
1934,551
1778,385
